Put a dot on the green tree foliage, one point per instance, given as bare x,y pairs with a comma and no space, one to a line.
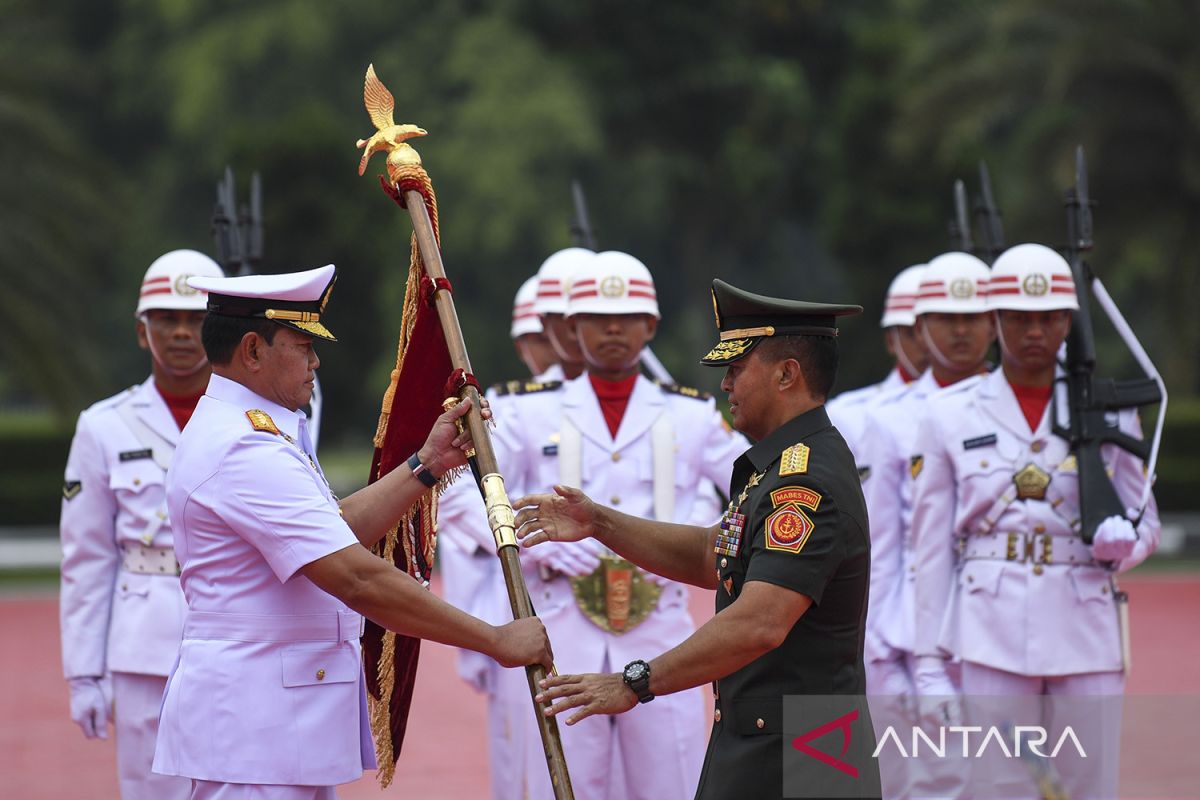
53,195
805,148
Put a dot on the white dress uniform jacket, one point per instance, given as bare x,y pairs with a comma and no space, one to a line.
269,686
1049,609
114,498
886,467
848,410
560,436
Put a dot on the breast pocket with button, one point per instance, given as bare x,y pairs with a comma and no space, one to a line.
140,491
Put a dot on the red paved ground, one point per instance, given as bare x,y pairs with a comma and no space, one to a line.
43,756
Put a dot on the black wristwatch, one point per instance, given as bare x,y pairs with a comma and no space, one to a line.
421,472
637,678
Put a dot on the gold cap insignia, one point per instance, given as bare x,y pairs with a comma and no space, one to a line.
729,349
261,421
1035,284
794,460
182,288
612,286
1031,482
962,289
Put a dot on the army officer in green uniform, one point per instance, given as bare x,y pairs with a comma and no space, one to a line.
790,559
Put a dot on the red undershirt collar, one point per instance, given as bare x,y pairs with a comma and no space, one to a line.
181,405
614,399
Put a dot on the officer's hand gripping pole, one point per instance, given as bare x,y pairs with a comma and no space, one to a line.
404,170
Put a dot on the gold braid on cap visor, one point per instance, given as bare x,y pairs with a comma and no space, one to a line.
743,333
729,349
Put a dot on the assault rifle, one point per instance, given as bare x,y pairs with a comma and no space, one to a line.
960,225
238,233
991,228
581,227
1093,401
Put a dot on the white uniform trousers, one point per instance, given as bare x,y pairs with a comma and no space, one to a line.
136,701
893,699
1044,700
210,790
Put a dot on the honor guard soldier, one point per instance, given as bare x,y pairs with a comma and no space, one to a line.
848,411
528,335
471,574
554,285
955,327
1004,579
121,606
790,560
647,448
267,697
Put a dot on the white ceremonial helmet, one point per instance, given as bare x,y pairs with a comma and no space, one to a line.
953,283
613,283
554,279
524,318
901,297
1032,277
166,283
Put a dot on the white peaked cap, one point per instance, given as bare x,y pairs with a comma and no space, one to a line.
166,283
613,283
901,297
524,318
294,299
554,279
1032,277
953,283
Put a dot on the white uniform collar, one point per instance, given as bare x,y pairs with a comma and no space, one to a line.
237,394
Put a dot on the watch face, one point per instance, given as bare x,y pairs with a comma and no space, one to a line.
635,671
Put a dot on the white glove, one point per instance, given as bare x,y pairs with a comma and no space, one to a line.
571,559
938,700
475,669
1115,539
90,707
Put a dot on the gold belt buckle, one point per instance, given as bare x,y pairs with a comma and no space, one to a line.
615,596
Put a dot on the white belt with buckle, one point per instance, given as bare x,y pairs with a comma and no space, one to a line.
1040,548
146,560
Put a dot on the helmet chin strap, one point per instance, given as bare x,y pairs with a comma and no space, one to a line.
934,352
174,372
900,355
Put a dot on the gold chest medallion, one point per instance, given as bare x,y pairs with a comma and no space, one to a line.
1032,482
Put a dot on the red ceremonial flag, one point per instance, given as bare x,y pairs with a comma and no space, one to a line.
411,404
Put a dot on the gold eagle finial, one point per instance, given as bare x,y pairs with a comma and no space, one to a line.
388,136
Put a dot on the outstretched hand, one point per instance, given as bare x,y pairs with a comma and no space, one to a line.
568,515
446,448
592,694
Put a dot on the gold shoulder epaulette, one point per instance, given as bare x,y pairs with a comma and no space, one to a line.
794,460
532,387
505,388
262,421
686,391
